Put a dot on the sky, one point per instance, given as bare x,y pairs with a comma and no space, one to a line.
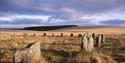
23,13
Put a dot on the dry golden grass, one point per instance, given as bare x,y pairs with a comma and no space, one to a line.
57,49
91,57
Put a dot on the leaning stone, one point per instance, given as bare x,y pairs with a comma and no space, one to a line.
31,54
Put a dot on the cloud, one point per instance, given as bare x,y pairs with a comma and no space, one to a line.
83,6
115,22
52,12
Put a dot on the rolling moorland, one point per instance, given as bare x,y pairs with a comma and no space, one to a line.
57,44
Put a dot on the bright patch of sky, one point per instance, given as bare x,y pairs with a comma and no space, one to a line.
13,17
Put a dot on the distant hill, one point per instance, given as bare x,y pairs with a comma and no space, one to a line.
45,28
11,28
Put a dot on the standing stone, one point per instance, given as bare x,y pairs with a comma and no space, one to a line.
90,43
44,34
61,34
84,42
80,35
102,39
52,34
34,35
32,54
93,35
87,43
99,40
71,35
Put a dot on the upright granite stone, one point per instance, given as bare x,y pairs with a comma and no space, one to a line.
90,43
87,43
31,54
99,40
93,35
103,38
84,42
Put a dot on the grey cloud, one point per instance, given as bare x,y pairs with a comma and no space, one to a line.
113,22
67,10
83,6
